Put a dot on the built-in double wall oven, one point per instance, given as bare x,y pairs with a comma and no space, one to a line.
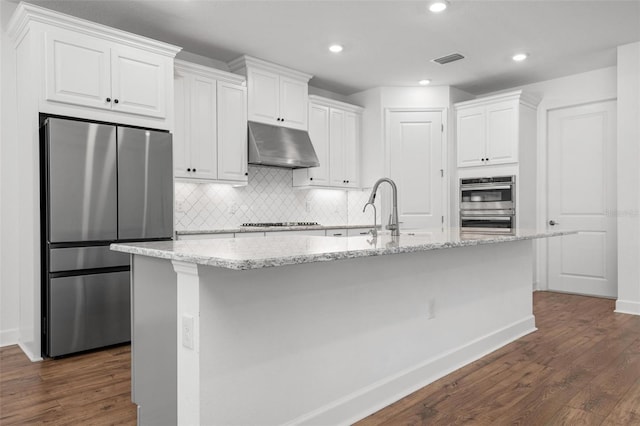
487,205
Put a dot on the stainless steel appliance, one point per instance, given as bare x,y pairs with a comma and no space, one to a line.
280,147
272,224
100,184
487,205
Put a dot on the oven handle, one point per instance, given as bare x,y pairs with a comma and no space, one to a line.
494,218
483,187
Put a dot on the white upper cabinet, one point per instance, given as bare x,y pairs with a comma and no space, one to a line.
88,71
488,129
334,129
210,138
93,71
277,95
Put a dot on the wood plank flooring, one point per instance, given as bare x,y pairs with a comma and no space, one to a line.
88,389
582,367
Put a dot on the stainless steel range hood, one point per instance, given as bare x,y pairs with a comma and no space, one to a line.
280,147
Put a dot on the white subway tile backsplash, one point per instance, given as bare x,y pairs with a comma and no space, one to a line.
269,197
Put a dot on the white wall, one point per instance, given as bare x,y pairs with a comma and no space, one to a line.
9,290
628,210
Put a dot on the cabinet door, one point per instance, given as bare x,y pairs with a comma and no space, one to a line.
293,103
77,69
263,96
204,157
181,137
319,134
232,132
502,133
138,82
336,148
351,148
471,137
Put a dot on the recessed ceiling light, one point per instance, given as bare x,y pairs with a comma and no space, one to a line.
437,6
520,57
424,82
335,48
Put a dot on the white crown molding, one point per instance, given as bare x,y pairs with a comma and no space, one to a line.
321,100
26,14
204,71
526,99
246,61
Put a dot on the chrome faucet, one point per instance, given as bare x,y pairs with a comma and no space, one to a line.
393,225
374,231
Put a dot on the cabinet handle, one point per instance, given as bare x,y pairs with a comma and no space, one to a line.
194,169
188,170
282,119
108,99
486,159
246,173
115,101
311,178
278,119
337,235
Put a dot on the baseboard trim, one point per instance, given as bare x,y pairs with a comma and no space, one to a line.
627,307
9,337
32,357
362,403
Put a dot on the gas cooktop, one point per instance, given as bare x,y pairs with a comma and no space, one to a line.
269,224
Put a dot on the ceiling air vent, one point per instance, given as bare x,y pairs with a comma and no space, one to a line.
448,58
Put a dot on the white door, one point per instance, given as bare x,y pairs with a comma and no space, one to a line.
415,152
204,153
351,148
139,81
232,132
581,196
293,103
319,134
78,69
264,95
502,133
336,148
471,136
182,129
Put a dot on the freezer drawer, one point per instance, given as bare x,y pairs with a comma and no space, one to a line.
88,311
145,184
81,181
74,258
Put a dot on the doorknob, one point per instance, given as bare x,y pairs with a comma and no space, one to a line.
553,223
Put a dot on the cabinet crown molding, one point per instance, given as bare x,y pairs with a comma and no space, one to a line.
204,71
527,99
26,14
335,104
245,61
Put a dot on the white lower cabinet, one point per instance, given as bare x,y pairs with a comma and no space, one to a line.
354,232
334,129
210,138
249,234
319,232
204,236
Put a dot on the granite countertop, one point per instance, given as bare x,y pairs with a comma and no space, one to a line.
263,252
272,228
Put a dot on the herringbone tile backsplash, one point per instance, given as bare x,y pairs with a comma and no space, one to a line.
269,197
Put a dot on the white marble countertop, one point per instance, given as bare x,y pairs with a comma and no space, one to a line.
241,229
263,252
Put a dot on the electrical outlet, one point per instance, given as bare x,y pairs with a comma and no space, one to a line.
188,331
431,308
233,208
180,207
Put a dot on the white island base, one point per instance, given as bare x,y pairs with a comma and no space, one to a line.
320,343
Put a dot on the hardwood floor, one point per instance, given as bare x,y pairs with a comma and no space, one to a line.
88,389
582,367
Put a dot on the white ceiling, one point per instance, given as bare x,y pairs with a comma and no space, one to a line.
387,43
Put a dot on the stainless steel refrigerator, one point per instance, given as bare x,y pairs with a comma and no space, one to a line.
100,184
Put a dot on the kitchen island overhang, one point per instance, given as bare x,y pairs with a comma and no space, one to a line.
334,330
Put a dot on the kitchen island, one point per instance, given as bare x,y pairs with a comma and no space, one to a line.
316,330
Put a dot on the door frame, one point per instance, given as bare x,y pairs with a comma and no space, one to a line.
541,268
445,185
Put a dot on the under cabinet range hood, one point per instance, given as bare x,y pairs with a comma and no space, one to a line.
280,147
